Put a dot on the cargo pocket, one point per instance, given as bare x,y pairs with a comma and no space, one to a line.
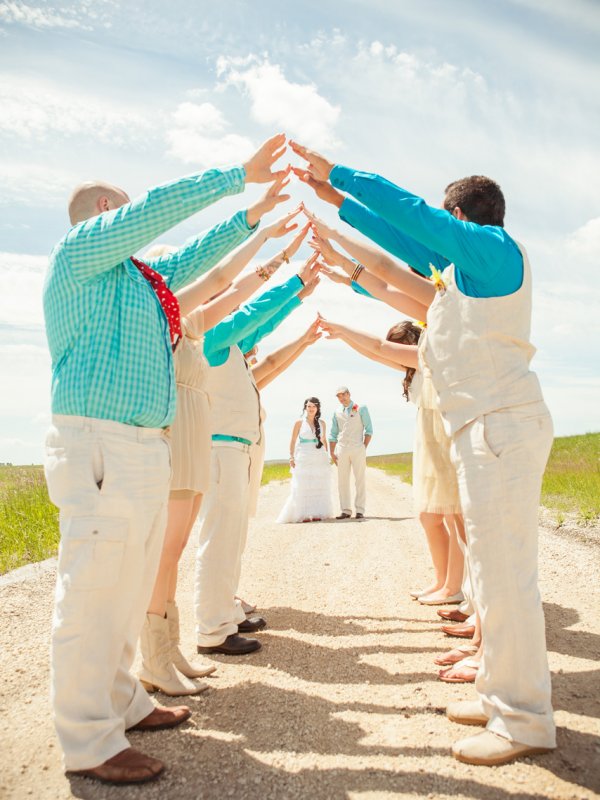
92,551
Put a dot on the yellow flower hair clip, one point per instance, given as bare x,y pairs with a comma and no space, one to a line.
420,324
436,277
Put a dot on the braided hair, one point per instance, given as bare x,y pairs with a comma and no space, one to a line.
317,403
405,332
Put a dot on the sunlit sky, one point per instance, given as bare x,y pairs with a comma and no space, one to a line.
138,93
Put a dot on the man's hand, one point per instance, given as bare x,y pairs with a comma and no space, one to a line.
259,167
309,289
318,166
334,458
324,247
335,276
323,189
310,270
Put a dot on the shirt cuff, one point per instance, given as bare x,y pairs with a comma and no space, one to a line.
240,221
236,178
341,177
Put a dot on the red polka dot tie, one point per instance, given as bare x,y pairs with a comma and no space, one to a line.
166,298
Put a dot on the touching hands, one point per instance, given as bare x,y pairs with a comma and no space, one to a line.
325,249
318,167
259,167
282,226
310,270
320,228
313,334
309,288
335,276
332,329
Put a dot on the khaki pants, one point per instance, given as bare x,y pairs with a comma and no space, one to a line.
111,483
500,459
221,544
352,460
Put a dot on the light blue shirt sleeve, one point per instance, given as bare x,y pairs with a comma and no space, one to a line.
366,420
202,252
488,262
334,430
102,242
236,328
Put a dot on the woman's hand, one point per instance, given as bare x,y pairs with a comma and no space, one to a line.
323,246
313,334
335,276
323,189
318,226
270,199
318,167
292,464
310,270
332,329
293,247
309,288
281,226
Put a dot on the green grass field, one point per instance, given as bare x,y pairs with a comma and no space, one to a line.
29,521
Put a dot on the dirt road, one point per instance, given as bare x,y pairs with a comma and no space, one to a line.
343,700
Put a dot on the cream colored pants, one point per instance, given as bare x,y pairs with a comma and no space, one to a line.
221,544
352,460
110,482
500,459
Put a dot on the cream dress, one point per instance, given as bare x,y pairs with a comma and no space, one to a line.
190,432
435,486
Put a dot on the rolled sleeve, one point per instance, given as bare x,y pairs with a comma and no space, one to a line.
334,430
366,420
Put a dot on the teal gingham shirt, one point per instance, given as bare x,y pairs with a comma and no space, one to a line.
107,333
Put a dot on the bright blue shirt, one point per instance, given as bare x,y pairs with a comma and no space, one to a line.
252,321
487,260
364,415
108,335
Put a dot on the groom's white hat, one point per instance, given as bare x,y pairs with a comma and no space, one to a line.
342,389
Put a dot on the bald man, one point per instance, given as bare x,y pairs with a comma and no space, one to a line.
112,324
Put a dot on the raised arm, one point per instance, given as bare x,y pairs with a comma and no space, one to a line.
370,284
379,264
223,275
279,360
402,354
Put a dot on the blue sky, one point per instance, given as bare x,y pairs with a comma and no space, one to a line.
137,93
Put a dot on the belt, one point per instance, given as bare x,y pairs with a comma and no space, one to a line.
222,437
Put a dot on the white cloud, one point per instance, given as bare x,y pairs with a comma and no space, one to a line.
296,108
33,184
198,137
34,110
22,278
20,13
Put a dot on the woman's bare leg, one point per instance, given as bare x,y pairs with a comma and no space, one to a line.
193,513
438,541
177,530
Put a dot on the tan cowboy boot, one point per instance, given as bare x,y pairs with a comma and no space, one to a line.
158,672
194,670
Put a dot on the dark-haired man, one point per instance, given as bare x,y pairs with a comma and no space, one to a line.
477,348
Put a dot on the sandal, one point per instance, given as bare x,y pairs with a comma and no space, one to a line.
464,671
456,655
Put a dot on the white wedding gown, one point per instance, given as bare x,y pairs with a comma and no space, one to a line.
311,494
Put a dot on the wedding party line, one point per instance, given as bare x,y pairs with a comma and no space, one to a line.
157,422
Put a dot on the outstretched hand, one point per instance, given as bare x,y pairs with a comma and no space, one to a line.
282,226
334,275
309,288
318,167
323,189
324,247
310,270
319,227
313,334
332,329
259,167
293,247
271,198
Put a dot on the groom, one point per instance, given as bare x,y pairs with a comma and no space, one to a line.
349,436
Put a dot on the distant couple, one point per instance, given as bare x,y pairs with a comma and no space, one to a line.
351,431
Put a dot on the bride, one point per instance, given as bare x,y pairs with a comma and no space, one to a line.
310,499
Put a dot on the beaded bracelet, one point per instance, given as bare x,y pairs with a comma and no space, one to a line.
262,273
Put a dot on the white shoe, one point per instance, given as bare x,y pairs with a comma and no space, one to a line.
489,750
416,593
434,599
180,662
158,672
467,712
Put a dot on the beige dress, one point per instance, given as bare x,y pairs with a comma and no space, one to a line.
190,432
435,486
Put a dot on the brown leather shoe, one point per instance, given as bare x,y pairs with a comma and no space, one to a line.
343,515
252,624
453,616
128,766
460,631
163,717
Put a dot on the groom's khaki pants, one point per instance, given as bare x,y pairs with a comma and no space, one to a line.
221,544
352,460
500,459
111,483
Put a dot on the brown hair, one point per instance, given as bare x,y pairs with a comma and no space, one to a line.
405,332
479,198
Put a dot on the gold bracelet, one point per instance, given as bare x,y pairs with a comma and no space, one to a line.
285,256
262,273
356,273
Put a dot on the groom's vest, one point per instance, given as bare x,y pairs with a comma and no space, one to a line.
350,429
233,398
478,351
